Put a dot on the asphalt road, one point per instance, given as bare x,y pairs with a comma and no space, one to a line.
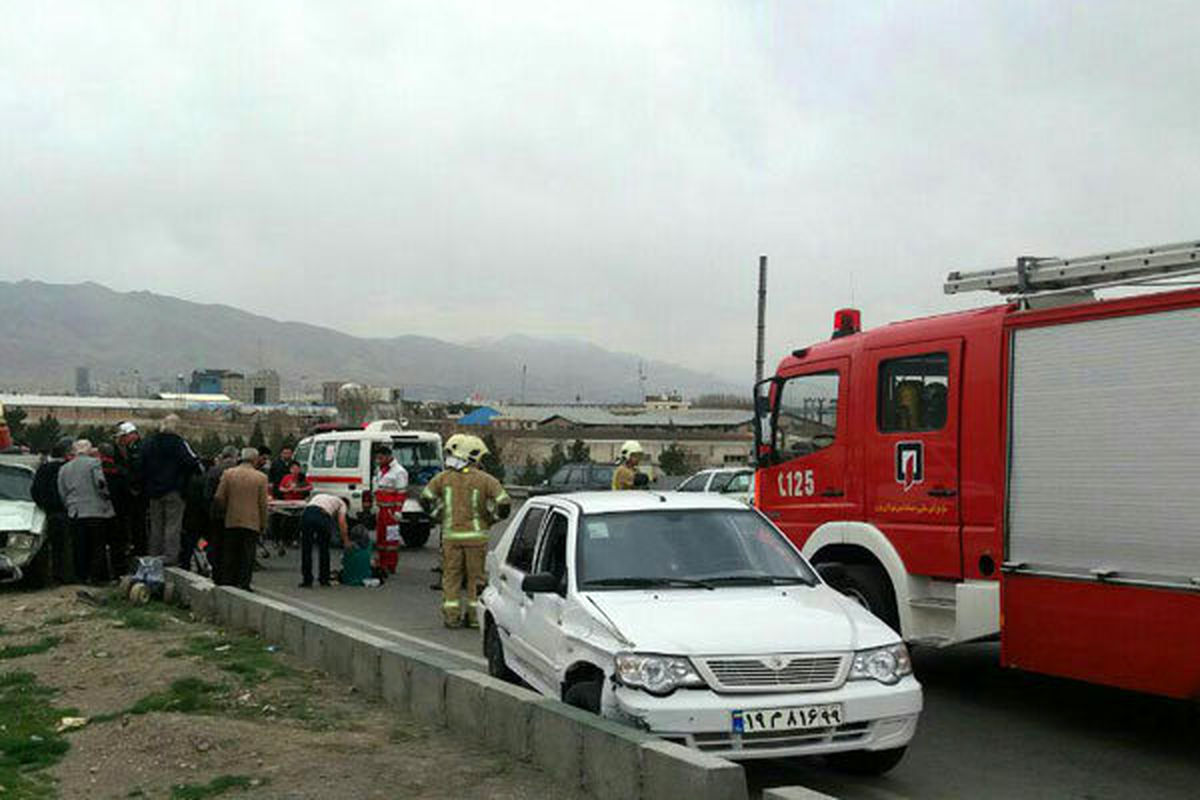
985,733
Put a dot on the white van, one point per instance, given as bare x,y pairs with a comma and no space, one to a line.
339,462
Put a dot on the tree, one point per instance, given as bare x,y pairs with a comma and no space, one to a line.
579,452
675,460
557,458
276,440
42,434
209,445
237,440
491,462
96,434
257,440
531,474
15,417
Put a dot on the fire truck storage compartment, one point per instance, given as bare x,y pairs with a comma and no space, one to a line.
1102,552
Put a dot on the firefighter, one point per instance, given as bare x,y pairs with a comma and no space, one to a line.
391,490
469,502
626,475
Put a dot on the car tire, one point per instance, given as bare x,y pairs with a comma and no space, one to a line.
867,585
415,535
584,695
866,762
37,571
493,651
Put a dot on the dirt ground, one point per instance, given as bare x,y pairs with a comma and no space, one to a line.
180,709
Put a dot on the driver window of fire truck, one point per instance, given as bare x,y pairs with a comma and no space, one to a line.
806,419
913,393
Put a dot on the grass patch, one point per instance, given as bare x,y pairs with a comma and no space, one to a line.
59,619
214,788
244,656
19,650
186,696
28,742
148,617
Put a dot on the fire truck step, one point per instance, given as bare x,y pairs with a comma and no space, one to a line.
933,603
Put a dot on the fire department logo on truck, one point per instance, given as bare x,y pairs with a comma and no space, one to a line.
910,464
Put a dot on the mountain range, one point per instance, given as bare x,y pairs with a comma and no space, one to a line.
47,330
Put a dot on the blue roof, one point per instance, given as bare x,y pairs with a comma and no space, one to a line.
480,416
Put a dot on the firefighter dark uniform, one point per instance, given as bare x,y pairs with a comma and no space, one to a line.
469,502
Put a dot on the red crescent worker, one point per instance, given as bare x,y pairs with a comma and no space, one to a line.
391,490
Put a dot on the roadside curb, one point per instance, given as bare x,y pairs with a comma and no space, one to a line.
602,758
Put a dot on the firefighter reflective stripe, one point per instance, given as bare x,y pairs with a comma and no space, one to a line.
447,506
449,604
500,498
475,509
465,536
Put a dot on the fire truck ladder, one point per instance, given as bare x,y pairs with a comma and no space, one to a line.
1033,275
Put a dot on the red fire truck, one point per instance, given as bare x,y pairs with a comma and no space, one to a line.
1028,471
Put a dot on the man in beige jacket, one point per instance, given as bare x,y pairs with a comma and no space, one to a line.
242,494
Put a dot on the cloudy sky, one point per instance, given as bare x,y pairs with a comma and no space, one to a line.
608,171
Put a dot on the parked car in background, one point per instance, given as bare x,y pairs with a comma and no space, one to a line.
24,552
576,477
693,617
736,482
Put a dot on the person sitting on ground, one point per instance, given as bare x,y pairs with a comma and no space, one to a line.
294,485
323,513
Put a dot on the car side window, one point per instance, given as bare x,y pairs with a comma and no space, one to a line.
323,454
695,483
806,414
552,557
739,483
520,553
560,477
602,476
301,455
347,454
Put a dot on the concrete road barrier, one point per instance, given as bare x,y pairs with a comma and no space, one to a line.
606,760
794,793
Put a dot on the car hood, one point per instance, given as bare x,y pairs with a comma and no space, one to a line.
729,620
20,515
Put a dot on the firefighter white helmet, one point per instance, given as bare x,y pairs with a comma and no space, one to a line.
631,447
476,449
457,446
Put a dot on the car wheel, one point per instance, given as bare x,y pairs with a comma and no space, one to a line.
416,535
37,571
866,762
585,695
493,651
867,585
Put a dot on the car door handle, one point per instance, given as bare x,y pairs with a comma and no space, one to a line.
942,492
833,493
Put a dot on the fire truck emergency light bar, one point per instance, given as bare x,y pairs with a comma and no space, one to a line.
1032,274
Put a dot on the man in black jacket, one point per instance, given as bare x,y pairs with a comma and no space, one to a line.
126,488
45,494
168,463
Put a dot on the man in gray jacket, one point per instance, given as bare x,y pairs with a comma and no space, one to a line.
84,492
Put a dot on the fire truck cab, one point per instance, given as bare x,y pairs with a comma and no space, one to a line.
1027,471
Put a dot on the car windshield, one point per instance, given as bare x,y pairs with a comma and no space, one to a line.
697,548
15,483
420,459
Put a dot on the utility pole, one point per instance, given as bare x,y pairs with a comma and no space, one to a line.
762,318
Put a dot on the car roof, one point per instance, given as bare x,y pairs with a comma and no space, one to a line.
607,502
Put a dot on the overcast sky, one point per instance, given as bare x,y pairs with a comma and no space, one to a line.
608,171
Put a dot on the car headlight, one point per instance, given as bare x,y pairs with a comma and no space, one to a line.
657,674
21,541
884,664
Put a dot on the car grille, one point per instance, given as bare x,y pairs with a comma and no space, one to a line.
779,740
775,673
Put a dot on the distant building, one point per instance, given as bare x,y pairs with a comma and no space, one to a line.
329,392
257,388
83,381
667,401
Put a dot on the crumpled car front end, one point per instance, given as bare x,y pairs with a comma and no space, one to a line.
22,538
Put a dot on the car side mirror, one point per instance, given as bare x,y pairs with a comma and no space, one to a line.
540,583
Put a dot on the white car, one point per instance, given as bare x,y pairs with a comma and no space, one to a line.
691,616
735,482
24,551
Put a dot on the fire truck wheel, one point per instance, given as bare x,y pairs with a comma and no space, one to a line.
493,650
867,585
866,762
415,536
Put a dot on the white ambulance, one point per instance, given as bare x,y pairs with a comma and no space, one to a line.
339,462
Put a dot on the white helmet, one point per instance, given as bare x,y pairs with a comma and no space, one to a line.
630,448
475,447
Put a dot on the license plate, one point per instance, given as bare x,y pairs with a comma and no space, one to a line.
797,718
